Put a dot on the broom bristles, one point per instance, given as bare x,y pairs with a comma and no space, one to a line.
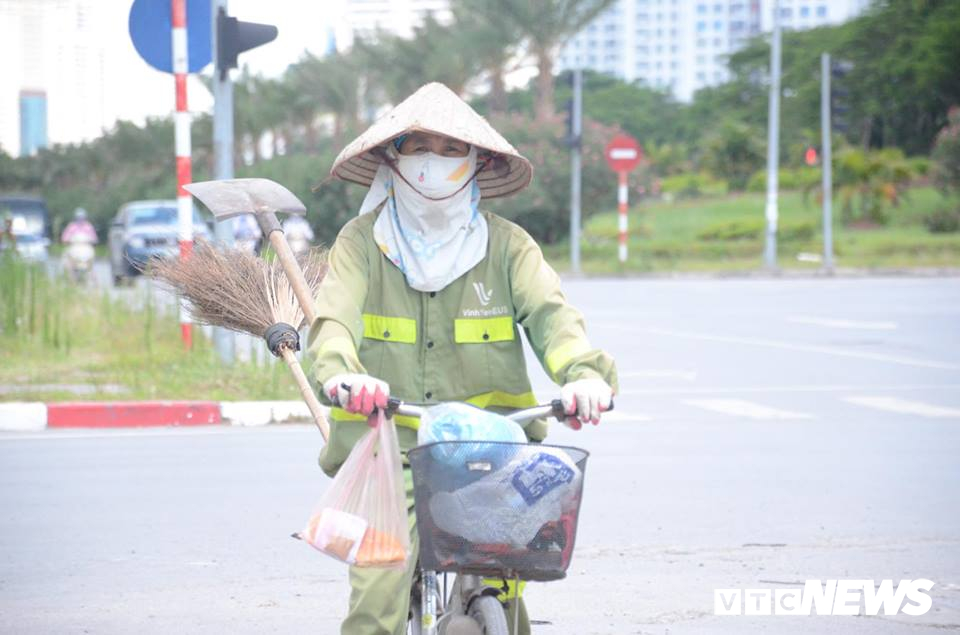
235,289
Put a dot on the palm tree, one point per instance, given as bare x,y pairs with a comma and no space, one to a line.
329,84
544,25
490,38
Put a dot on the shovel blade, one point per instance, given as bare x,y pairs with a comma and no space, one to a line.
232,197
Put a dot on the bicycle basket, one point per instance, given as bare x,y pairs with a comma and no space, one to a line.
497,509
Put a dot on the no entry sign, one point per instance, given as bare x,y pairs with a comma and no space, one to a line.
623,153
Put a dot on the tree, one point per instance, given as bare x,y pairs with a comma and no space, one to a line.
733,153
491,38
544,25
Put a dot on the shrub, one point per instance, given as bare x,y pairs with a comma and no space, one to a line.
692,184
943,221
787,179
733,152
753,229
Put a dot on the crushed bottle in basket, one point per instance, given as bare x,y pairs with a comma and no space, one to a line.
511,505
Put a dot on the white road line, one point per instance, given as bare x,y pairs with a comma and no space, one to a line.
806,348
843,324
748,409
903,406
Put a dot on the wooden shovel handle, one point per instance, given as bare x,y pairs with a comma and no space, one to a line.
307,392
294,273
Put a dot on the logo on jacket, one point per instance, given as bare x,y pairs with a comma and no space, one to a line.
484,295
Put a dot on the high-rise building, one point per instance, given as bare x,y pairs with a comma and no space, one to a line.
78,54
683,45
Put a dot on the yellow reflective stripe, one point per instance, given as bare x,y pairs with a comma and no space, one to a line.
503,399
389,329
508,588
339,414
482,330
564,354
342,345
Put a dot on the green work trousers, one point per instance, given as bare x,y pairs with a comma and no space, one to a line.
380,598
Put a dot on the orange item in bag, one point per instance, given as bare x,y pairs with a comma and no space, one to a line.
379,549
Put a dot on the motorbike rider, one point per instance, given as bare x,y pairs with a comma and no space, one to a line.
79,230
8,239
298,232
80,236
424,298
247,233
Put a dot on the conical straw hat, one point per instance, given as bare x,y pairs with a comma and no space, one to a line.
437,109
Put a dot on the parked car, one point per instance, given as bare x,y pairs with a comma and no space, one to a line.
29,214
142,230
32,247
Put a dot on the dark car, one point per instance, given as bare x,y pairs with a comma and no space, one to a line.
142,230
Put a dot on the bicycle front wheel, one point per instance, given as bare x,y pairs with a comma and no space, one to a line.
487,611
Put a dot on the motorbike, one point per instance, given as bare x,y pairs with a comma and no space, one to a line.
78,260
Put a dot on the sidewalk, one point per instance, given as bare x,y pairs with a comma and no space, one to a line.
33,416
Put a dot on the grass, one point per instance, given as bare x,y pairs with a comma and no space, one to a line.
54,336
726,233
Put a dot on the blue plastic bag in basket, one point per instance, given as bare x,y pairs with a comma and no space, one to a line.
462,422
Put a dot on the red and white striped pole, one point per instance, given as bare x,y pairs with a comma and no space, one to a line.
182,133
622,213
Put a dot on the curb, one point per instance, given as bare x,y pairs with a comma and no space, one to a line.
34,416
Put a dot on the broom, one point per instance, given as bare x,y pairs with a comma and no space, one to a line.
234,289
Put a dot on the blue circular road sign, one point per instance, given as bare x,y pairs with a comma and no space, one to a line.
150,29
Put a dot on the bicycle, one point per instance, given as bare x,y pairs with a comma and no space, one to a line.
471,605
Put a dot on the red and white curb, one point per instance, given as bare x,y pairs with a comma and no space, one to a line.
32,416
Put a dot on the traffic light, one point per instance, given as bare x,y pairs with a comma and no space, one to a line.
568,120
571,139
840,95
235,37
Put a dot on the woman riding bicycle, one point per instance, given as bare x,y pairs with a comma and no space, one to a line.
424,297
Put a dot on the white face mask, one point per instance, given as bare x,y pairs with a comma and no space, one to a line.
437,177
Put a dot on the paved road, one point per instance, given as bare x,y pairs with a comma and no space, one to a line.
767,432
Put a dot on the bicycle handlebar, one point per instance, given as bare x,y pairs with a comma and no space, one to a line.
553,409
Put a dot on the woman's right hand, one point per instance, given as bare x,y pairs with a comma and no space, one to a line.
357,393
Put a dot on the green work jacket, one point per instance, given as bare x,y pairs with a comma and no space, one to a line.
461,343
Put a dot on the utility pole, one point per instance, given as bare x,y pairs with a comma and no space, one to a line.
773,144
224,340
576,117
826,154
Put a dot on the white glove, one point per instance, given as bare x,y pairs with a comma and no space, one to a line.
584,400
362,394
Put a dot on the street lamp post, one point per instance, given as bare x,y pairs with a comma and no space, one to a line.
773,144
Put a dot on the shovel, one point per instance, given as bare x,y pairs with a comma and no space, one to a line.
264,198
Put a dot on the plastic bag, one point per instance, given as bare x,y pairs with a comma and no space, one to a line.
362,518
462,422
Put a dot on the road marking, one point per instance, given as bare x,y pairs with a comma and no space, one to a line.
843,324
903,406
685,375
806,348
742,408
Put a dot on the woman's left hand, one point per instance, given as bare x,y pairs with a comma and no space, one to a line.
584,400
